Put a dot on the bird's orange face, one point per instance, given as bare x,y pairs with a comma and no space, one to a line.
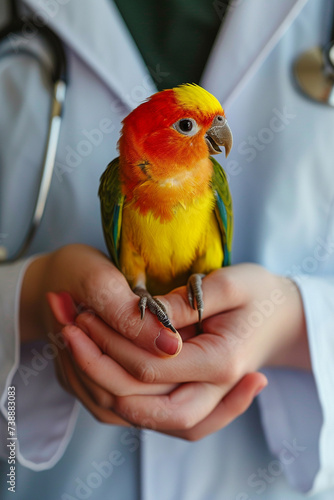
171,133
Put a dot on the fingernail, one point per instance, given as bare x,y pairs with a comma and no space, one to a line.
167,342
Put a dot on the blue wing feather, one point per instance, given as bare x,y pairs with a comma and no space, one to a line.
223,209
112,201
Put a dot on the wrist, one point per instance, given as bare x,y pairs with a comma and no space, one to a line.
33,304
293,350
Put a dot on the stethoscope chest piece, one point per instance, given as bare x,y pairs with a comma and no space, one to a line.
314,74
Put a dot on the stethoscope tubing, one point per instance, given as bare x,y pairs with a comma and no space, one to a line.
59,71
59,77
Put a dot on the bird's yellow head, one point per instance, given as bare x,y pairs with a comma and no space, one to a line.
171,132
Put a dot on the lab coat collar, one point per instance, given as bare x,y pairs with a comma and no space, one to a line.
250,32
98,34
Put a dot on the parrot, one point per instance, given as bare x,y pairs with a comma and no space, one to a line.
166,206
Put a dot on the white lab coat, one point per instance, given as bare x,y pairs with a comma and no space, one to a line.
282,180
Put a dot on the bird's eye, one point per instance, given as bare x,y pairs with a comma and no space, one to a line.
186,126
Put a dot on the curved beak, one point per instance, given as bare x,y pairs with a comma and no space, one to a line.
219,135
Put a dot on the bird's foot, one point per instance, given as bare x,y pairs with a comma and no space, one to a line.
154,305
195,295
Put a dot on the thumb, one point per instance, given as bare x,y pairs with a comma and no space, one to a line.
96,285
157,340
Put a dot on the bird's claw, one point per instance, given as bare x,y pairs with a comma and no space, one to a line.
155,306
195,295
142,306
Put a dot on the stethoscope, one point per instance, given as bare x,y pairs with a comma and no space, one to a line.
59,79
313,70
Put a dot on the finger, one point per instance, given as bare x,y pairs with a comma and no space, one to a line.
196,408
191,412
188,332
101,368
62,307
60,372
204,358
107,292
142,365
124,316
184,408
146,333
234,404
105,399
100,396
77,388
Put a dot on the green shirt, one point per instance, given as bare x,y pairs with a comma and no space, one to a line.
174,36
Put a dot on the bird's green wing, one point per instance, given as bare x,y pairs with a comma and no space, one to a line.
112,200
223,209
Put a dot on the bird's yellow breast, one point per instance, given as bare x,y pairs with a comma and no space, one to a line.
168,252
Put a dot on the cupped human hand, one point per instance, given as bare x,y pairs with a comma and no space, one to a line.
55,288
94,283
93,378
102,386
252,319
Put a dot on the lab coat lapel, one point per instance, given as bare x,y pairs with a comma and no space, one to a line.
251,30
98,34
